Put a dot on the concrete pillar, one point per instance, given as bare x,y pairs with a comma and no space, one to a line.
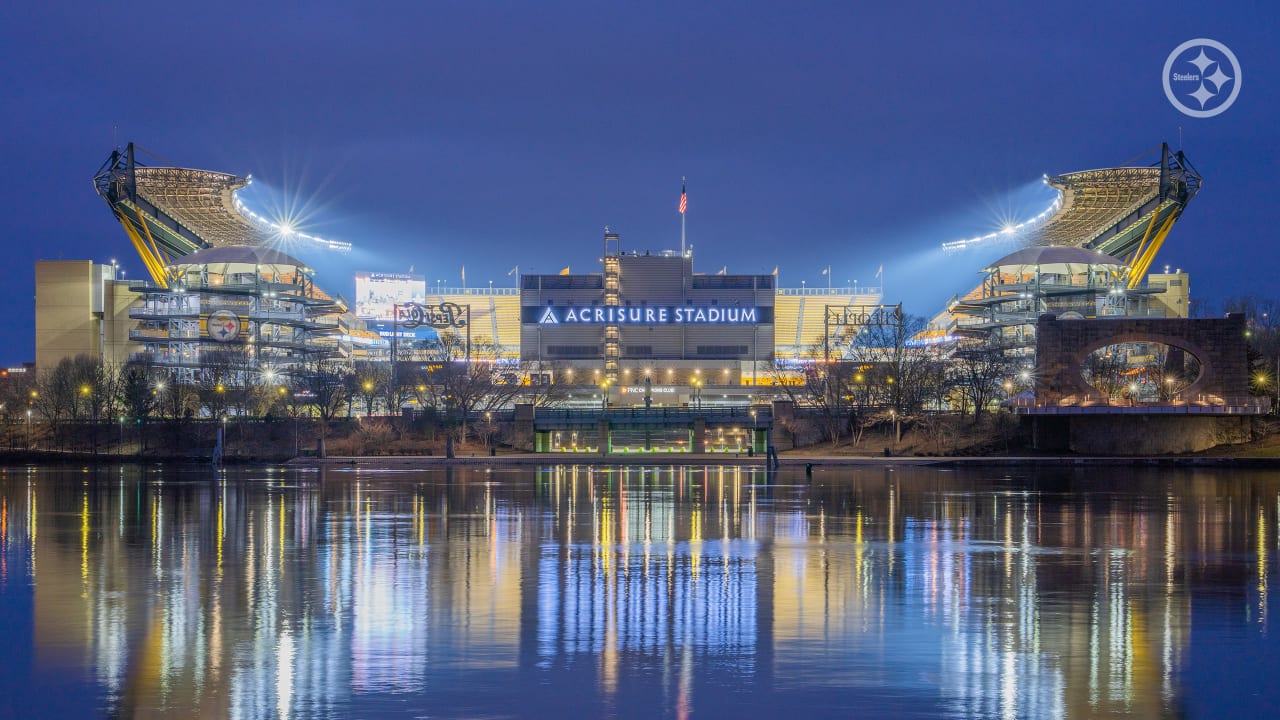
522,432
699,435
602,434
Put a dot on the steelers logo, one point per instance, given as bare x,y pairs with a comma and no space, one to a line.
223,326
1202,78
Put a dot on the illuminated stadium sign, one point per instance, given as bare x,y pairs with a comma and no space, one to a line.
653,390
553,315
377,294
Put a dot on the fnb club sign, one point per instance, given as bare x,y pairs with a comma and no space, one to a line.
653,390
442,316
552,315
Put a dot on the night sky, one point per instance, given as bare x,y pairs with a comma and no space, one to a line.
490,135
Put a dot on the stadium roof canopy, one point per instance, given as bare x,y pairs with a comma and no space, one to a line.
202,201
240,255
169,212
1053,259
1122,211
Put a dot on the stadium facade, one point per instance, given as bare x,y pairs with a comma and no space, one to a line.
239,315
646,328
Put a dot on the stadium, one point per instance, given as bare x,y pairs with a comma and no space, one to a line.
225,298
1118,218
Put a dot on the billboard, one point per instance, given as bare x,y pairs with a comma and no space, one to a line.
408,336
378,293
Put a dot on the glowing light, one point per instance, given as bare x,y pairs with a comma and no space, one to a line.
286,227
1008,227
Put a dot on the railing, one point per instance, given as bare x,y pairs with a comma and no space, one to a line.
140,334
761,415
1205,406
475,291
821,291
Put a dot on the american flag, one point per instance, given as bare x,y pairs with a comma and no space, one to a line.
684,199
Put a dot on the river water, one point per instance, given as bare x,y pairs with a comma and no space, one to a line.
569,592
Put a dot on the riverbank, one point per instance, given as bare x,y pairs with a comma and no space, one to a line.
1254,458
785,461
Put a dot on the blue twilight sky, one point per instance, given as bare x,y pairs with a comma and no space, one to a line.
492,135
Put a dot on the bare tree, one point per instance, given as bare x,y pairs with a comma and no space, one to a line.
137,394
53,397
325,383
903,369
369,381
458,387
174,400
537,389
981,368
1105,370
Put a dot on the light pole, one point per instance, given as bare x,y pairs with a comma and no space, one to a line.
395,339
29,427
87,391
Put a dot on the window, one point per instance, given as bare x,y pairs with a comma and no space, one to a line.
574,351
722,351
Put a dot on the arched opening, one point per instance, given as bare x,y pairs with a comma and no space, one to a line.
1141,371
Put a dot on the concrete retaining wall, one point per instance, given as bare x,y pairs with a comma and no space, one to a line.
1138,434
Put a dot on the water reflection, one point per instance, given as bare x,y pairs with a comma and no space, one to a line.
632,592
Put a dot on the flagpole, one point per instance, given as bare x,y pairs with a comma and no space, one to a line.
828,279
682,200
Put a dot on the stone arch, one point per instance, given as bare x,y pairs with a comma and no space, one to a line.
1063,345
